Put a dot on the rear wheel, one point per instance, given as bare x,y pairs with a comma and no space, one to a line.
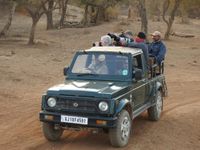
119,136
50,132
155,111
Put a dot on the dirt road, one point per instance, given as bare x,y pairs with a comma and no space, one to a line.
26,72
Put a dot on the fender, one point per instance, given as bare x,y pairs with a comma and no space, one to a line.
123,103
158,86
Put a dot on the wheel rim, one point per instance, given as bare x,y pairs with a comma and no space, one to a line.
159,103
125,128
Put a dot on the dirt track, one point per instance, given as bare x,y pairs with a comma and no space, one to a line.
26,72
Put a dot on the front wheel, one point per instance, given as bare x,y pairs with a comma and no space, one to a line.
119,136
50,132
154,112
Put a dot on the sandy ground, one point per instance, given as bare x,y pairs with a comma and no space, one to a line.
27,71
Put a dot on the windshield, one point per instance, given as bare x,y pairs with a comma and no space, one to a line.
97,64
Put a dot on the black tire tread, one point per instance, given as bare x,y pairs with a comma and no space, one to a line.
50,133
152,112
114,134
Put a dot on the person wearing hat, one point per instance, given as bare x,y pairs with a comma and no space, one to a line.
106,40
157,48
98,66
141,38
140,42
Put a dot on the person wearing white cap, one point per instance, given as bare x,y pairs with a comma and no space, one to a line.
98,66
106,40
157,48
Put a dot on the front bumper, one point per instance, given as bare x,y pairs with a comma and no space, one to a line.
54,117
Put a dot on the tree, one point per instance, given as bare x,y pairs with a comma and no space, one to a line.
98,7
35,10
189,9
172,14
154,9
63,4
143,16
49,13
8,23
49,7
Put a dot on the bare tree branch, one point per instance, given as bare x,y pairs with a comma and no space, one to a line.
170,21
8,24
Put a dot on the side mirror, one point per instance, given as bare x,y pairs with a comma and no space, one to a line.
65,71
138,74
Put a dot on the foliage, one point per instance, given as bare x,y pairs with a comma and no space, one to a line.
112,12
191,8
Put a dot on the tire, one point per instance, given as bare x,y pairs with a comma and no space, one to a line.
154,112
119,136
50,132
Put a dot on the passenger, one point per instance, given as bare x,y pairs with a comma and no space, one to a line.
106,40
128,35
99,65
157,48
141,38
126,39
140,43
122,39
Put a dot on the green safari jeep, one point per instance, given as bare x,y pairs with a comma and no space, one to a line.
104,88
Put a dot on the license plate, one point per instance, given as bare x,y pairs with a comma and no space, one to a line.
74,119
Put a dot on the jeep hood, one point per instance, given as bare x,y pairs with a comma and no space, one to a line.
103,89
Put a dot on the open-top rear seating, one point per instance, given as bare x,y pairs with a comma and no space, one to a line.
154,68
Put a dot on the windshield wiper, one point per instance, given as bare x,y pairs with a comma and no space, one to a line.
87,74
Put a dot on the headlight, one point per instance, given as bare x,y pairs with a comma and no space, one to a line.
51,102
103,106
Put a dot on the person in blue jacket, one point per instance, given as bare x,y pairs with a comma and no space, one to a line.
157,48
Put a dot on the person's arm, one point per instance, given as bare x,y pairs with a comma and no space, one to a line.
150,48
131,44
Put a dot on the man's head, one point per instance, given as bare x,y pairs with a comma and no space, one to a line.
156,36
101,58
141,37
106,40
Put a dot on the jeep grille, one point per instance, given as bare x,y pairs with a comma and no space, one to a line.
77,105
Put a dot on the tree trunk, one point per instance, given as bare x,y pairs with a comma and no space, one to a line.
63,12
85,21
102,15
96,16
143,15
170,21
129,13
32,33
35,15
158,13
49,15
168,31
8,24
